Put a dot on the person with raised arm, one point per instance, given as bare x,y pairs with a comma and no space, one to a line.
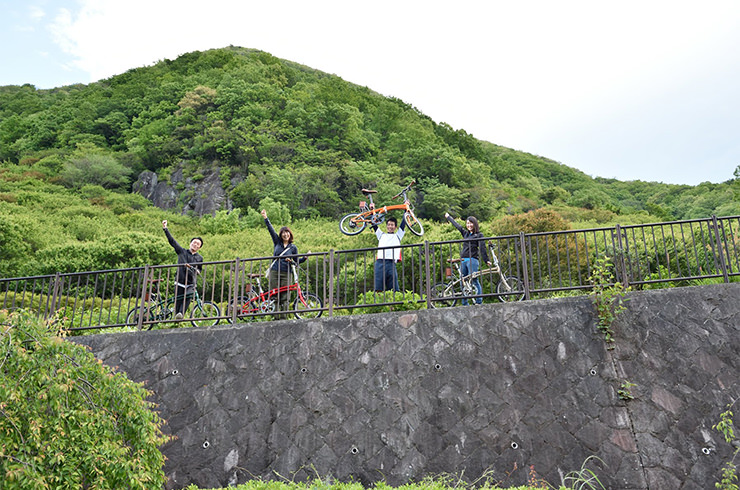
386,275
472,247
189,261
284,252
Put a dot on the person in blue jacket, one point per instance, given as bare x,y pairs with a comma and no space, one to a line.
472,247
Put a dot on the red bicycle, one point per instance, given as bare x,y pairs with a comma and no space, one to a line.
259,301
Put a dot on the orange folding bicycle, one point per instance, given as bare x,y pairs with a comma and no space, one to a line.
354,223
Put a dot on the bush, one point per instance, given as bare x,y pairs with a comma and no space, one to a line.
537,221
128,249
410,301
95,168
67,420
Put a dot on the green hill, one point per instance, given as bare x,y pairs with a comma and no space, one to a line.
226,132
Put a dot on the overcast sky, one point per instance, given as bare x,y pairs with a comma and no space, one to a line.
633,90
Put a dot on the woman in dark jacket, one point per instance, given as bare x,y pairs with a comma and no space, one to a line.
471,248
284,252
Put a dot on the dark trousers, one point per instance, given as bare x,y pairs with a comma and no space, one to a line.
276,279
386,276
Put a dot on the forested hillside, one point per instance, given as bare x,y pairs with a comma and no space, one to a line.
273,134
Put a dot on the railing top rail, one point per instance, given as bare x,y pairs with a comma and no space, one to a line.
9,279
366,249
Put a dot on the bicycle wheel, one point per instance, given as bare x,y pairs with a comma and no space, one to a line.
202,315
350,227
150,315
134,313
515,290
313,302
413,223
242,305
444,294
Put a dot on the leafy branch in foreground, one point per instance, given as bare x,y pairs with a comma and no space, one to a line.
67,420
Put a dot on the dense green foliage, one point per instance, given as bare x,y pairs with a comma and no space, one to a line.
66,420
281,136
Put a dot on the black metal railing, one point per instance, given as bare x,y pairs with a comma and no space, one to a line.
544,264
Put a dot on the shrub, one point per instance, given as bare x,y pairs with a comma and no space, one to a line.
410,301
97,169
67,420
537,221
128,249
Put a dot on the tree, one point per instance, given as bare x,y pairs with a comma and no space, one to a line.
438,199
537,221
67,420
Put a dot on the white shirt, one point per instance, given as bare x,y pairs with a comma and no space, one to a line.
389,240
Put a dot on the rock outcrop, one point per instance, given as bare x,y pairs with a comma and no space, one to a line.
186,195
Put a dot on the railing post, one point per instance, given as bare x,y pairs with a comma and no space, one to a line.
624,279
720,249
55,294
235,291
525,269
427,275
142,299
330,300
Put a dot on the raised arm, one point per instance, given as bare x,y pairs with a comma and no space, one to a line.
171,239
273,233
457,225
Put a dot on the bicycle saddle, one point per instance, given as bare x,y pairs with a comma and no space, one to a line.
369,191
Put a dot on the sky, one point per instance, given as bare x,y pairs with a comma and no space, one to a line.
631,90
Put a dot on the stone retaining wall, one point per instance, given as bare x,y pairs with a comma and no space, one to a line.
497,391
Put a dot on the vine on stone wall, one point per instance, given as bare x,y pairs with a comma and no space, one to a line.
608,296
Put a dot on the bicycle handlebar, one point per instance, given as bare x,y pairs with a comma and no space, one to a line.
403,191
190,266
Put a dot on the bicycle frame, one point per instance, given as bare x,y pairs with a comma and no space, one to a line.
459,283
158,310
263,302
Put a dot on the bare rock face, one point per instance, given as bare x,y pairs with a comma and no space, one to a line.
199,197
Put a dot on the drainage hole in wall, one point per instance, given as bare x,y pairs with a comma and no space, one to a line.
304,370
706,450
514,445
592,372
437,367
206,444
354,450
175,372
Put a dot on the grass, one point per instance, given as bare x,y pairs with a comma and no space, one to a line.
321,485
582,479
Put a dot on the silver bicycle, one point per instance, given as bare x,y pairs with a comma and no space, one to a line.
508,288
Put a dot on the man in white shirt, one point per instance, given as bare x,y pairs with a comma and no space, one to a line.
386,276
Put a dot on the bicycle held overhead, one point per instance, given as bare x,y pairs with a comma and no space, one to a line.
370,214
